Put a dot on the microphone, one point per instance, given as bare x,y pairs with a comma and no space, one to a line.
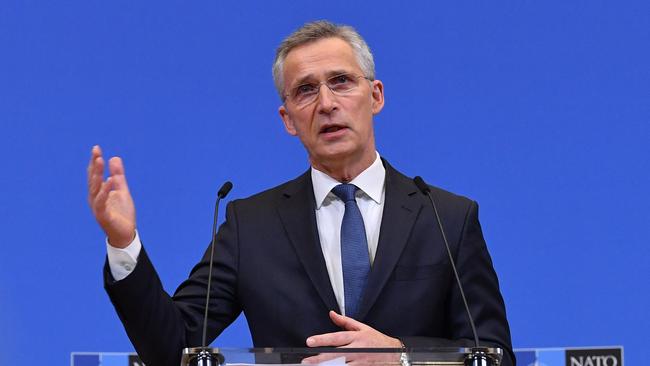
205,358
426,190
223,191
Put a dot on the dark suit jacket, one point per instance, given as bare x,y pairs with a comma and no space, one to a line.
269,264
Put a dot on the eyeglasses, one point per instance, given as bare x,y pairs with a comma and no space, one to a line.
341,85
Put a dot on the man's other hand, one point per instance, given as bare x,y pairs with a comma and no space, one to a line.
110,200
354,335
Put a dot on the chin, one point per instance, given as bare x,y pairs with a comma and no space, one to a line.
336,152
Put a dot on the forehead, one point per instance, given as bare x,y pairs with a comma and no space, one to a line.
319,59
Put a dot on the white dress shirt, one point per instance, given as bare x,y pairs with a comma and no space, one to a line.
329,216
122,261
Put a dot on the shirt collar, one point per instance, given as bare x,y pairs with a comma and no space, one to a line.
370,181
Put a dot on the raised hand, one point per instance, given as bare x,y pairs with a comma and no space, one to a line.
110,200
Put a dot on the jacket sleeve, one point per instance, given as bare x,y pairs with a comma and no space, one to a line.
159,325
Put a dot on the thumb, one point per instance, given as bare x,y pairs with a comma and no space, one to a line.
345,322
116,169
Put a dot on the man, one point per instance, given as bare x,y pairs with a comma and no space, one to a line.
346,255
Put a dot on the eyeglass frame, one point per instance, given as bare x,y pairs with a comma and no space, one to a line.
318,88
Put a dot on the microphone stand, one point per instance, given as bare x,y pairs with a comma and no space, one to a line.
206,356
479,356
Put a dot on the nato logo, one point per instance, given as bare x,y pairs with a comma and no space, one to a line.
594,357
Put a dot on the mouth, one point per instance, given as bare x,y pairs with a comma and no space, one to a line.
328,129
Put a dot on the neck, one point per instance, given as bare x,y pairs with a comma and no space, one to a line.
344,170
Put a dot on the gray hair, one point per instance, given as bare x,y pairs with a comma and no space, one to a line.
314,31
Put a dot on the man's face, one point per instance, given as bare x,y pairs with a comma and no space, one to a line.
333,128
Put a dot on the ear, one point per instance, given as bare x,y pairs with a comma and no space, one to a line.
377,96
287,120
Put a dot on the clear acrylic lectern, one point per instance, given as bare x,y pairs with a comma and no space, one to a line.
341,356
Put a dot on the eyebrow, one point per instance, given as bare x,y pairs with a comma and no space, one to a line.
328,75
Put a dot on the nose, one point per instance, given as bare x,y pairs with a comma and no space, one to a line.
326,99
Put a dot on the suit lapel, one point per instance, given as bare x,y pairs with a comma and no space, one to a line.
401,208
297,213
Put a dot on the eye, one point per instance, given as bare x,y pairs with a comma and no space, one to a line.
340,79
305,89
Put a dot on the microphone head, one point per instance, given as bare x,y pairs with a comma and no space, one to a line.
225,188
423,187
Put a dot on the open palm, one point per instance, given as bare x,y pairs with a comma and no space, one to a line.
110,199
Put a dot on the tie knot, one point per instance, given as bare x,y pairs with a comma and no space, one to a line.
345,191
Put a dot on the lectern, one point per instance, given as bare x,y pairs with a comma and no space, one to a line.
204,356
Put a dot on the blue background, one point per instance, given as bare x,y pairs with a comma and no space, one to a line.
538,110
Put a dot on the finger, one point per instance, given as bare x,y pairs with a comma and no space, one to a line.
345,322
95,152
336,339
115,166
99,203
95,177
116,169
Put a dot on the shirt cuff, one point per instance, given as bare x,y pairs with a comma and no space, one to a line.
122,261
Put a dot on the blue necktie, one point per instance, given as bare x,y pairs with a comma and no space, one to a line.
354,249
